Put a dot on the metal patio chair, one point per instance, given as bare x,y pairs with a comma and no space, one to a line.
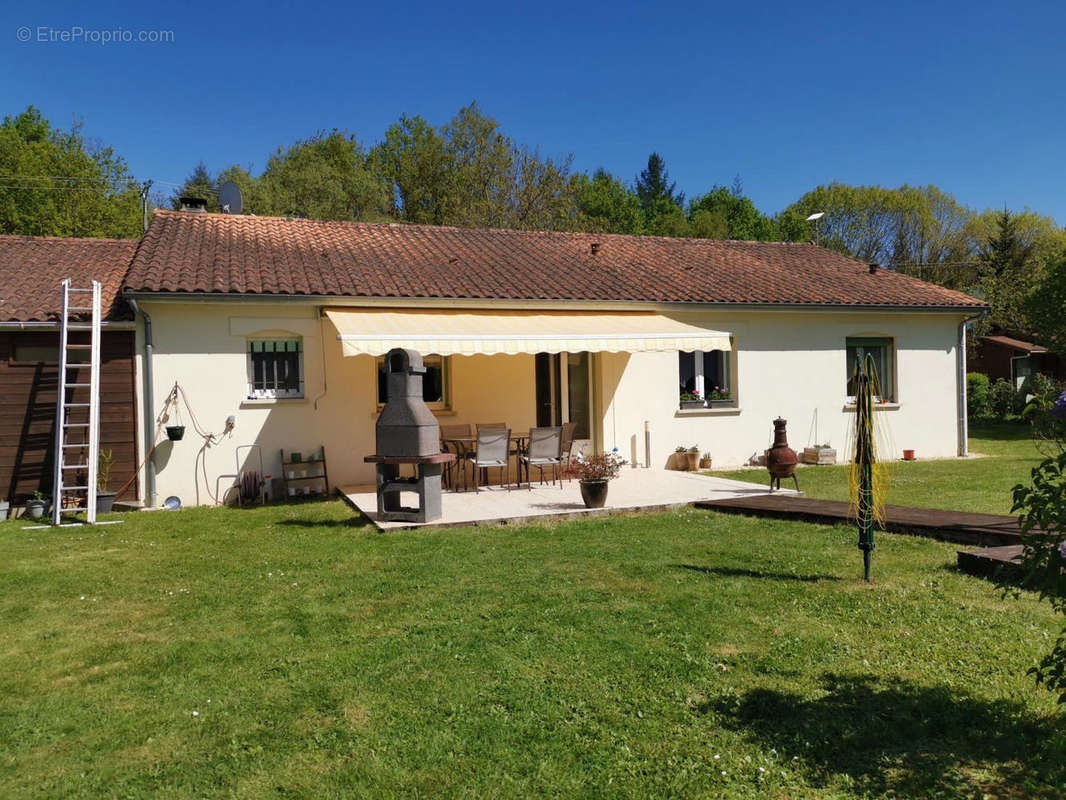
545,450
493,450
451,470
566,451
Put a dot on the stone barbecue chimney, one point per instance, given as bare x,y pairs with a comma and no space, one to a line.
406,427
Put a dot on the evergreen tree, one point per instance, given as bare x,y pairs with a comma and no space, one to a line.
1006,273
201,185
656,191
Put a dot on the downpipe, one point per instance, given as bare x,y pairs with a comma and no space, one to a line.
149,403
963,425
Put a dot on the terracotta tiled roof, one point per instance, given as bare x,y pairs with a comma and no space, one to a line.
218,253
32,267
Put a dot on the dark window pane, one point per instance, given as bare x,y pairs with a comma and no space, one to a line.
716,371
879,351
686,369
433,385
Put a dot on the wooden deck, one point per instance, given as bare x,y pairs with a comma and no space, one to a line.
978,530
990,561
998,537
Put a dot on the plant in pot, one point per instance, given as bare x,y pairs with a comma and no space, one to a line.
593,473
680,458
692,457
691,399
37,505
705,461
104,499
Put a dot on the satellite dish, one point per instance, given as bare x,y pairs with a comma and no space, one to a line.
229,198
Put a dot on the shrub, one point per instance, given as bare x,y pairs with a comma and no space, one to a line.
1002,399
1042,508
1038,388
977,388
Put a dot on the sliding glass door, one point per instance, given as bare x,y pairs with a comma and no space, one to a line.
563,387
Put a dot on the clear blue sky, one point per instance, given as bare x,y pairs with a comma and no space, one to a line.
966,95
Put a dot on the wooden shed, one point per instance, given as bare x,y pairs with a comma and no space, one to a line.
31,269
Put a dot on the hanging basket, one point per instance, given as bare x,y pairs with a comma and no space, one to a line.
175,432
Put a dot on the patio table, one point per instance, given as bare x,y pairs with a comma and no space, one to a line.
464,445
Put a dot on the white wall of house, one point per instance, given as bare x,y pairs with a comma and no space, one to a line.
788,364
791,365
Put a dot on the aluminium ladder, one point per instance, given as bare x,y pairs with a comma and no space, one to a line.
83,417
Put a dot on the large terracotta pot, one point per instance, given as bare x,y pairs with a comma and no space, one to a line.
594,493
692,461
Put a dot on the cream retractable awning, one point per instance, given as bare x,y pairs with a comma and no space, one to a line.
463,333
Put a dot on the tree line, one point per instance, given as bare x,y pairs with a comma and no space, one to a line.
469,173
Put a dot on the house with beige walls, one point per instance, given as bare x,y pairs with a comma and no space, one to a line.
274,329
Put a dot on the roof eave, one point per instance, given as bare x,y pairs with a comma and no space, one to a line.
476,302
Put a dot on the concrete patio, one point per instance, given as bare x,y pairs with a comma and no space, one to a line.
634,489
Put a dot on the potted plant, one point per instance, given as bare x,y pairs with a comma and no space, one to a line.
719,398
819,454
691,400
104,499
705,461
680,461
593,473
692,457
36,505
175,432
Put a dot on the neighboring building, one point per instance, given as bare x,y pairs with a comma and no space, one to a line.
1015,360
31,270
280,324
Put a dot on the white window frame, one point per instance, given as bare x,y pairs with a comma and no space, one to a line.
889,343
445,362
275,393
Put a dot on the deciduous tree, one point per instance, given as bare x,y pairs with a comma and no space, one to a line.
57,183
606,204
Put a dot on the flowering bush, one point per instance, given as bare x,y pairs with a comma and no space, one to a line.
602,467
719,394
692,396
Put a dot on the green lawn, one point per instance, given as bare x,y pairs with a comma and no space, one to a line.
978,484
289,651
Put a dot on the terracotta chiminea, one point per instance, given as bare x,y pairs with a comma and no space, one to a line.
781,459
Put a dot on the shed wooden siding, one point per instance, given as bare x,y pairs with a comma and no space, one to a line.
28,406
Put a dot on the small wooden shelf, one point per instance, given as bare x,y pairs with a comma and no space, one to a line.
298,482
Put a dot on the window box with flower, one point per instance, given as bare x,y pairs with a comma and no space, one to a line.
719,398
692,399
